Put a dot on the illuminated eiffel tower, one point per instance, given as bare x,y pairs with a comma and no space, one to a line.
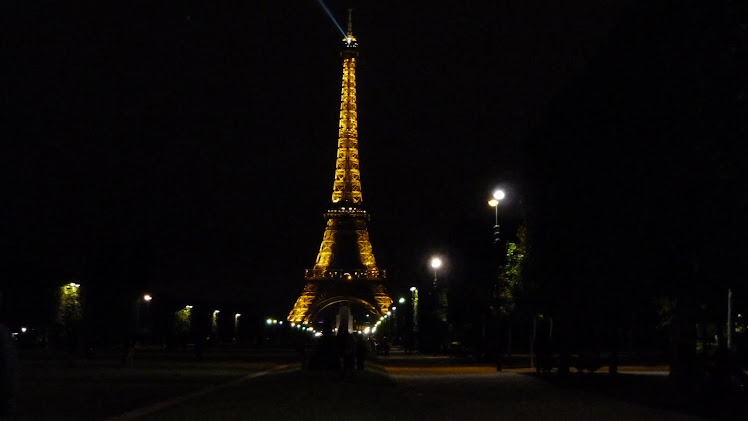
345,271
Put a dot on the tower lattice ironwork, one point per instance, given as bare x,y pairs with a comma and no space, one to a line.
345,270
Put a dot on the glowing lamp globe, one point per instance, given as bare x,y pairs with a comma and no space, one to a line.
436,263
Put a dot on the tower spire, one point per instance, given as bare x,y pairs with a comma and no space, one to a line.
347,183
350,23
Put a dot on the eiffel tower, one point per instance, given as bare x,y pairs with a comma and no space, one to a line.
345,271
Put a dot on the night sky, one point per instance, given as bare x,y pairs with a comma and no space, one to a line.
190,146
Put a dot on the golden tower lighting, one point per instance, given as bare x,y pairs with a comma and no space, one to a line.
335,274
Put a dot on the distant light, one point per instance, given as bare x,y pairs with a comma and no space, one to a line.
401,300
293,324
388,313
394,308
493,203
318,334
412,289
23,329
216,311
269,321
499,194
237,315
374,329
187,306
147,297
436,263
280,322
367,329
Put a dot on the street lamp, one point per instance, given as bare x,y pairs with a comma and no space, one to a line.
436,263
414,297
494,201
497,196
142,310
236,326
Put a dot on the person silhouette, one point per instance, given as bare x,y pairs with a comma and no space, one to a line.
8,369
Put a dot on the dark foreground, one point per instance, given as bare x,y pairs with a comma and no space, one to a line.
246,385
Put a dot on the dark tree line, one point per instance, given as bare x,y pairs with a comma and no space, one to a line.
637,188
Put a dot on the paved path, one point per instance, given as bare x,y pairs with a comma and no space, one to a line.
513,396
273,388
374,394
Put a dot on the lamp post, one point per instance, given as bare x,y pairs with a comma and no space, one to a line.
214,325
494,201
236,326
394,333
414,297
439,295
497,196
142,306
436,263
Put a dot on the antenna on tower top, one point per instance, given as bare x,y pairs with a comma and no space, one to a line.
350,23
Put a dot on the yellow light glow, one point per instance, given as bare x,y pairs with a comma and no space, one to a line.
493,203
147,297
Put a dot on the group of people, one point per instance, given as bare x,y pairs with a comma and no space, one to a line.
352,350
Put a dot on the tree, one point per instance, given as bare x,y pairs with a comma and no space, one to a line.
510,283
